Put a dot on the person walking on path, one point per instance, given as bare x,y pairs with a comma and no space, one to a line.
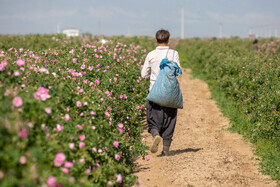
161,120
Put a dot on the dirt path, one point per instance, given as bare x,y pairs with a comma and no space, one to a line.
202,152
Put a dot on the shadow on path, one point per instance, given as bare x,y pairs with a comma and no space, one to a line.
140,169
180,151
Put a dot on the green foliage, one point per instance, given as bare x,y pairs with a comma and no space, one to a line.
246,85
71,110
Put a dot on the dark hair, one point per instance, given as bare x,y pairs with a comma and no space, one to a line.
255,41
162,36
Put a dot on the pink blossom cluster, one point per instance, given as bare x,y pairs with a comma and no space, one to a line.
60,160
123,96
78,74
20,62
42,94
120,127
82,144
3,64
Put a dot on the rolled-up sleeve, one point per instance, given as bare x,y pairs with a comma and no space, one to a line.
145,72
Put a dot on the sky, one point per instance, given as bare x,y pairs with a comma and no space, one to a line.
141,17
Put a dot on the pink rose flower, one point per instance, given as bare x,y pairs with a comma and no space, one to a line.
23,133
48,110
65,170
97,81
59,128
110,183
72,51
117,157
107,114
80,127
94,149
121,130
97,165
106,149
4,63
139,182
20,62
51,182
71,146
67,117
16,73
90,68
120,125
116,143
78,104
68,164
82,137
82,160
82,145
148,158
107,93
88,171
17,102
22,160
119,178
2,67
59,159
72,179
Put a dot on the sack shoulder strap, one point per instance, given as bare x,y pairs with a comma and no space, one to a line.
173,54
167,53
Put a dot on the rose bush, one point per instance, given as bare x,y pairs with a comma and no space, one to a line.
250,81
71,115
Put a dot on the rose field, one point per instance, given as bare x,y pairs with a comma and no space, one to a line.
71,110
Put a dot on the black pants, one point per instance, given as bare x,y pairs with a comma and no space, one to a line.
161,120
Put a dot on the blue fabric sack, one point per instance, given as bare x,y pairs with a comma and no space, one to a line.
166,91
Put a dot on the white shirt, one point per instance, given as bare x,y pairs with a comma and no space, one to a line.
151,67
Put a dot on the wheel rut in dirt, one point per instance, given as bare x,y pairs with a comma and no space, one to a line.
203,152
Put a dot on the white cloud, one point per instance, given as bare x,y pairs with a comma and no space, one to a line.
260,19
251,18
113,12
193,15
36,15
